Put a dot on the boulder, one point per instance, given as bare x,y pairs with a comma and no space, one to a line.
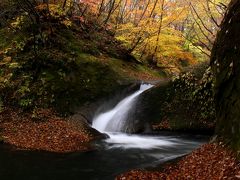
90,109
81,124
148,108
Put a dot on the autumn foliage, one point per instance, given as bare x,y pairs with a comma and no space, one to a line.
45,131
211,161
167,34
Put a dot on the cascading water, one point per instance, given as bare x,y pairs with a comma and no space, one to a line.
115,120
115,155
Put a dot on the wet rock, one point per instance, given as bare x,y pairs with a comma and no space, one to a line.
81,124
90,109
148,108
164,108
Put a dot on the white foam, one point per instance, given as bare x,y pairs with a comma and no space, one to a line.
137,141
114,120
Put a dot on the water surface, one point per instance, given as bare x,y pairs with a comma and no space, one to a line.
110,158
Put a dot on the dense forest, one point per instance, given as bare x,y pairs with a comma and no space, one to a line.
77,76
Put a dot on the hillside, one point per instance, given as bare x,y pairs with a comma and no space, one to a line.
50,59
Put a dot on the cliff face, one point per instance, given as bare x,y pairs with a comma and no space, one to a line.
225,62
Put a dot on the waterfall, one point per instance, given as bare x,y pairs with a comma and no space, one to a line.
115,120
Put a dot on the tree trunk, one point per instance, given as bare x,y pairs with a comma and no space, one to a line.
225,62
154,59
111,8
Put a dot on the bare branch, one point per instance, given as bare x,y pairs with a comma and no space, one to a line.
203,24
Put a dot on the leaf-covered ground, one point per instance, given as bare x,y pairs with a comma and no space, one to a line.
211,161
49,133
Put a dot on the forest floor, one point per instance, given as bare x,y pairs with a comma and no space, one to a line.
47,133
211,161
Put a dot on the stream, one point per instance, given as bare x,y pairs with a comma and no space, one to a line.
108,158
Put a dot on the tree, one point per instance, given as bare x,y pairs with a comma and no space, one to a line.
206,16
225,62
159,29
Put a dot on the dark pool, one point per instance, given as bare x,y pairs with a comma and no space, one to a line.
109,159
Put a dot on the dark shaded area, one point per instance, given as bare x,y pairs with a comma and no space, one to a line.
183,104
56,65
225,63
104,163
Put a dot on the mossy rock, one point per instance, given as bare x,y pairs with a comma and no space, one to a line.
81,124
151,102
163,103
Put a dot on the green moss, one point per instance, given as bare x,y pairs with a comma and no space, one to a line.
143,68
186,103
67,69
4,39
84,80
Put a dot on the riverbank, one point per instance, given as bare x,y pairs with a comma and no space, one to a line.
211,161
46,132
